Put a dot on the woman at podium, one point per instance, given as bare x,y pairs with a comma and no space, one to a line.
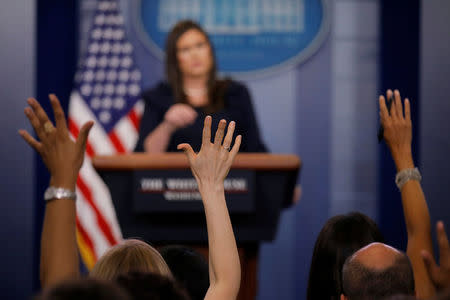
175,109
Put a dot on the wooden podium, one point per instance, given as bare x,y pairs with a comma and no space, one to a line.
155,199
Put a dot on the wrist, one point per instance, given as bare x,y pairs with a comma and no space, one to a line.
403,159
406,175
66,183
211,188
403,163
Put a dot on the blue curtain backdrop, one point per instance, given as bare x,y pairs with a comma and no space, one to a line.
400,23
57,40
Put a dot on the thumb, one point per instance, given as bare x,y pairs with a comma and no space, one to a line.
83,135
187,150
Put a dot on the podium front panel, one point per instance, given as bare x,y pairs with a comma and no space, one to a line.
176,191
271,190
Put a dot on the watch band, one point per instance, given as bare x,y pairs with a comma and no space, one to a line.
57,193
405,175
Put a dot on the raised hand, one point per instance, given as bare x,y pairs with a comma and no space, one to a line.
180,115
62,156
212,164
398,136
397,129
440,275
210,167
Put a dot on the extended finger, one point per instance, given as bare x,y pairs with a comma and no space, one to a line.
219,133
229,136
444,247
60,118
393,111
38,110
207,131
35,123
407,110
384,114
83,136
236,146
30,140
188,151
398,104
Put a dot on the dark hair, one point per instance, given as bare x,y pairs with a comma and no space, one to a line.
216,88
339,238
362,282
87,288
189,268
151,286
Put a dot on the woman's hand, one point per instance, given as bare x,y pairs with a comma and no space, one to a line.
212,164
62,156
210,167
179,116
397,129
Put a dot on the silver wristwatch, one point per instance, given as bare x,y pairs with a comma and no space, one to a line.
52,193
405,175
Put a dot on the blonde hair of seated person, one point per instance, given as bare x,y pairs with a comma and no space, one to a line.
130,255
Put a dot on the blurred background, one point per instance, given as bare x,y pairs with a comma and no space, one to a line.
314,70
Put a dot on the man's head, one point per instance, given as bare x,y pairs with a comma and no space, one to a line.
377,271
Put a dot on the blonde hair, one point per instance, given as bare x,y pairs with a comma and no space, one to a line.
130,255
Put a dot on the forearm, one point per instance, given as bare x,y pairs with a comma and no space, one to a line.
415,207
158,140
417,219
224,258
59,251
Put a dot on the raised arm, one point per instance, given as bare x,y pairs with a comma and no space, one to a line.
63,158
398,136
210,168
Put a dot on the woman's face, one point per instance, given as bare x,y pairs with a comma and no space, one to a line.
194,54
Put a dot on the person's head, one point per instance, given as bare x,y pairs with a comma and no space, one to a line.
339,238
86,288
130,255
150,286
189,268
189,52
376,272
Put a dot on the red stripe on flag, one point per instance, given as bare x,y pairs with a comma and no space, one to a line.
134,119
75,131
116,142
100,219
86,238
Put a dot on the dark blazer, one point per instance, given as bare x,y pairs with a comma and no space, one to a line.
237,107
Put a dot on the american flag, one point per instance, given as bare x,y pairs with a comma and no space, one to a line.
107,88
